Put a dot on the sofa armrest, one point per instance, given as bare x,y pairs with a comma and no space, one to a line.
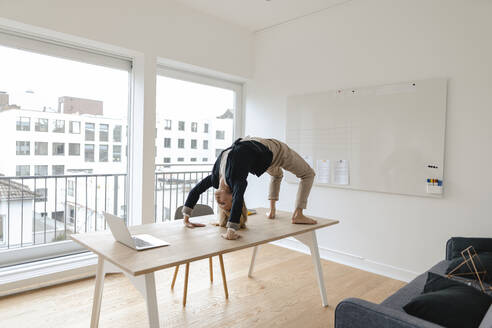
357,313
455,245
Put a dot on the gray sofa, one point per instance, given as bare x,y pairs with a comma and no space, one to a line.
357,313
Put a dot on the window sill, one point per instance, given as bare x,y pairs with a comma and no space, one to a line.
23,277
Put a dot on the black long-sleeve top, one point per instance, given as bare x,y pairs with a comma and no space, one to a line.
245,157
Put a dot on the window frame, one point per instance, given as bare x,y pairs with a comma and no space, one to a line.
37,124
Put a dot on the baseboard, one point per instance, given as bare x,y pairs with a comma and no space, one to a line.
351,260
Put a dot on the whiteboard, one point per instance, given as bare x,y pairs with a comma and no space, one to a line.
387,138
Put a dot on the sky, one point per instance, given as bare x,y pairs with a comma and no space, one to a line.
34,81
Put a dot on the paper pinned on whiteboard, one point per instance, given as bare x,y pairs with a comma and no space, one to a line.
341,172
323,172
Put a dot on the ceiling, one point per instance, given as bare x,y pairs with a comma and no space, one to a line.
257,15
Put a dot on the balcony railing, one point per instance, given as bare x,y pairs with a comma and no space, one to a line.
36,210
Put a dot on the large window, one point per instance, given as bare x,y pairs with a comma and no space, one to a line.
50,91
41,148
197,106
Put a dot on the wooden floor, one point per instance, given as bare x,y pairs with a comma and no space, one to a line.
283,293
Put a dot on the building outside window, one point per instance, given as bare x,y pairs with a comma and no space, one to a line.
103,153
70,188
74,149
167,142
117,133
205,128
181,159
23,148
220,135
167,124
181,125
167,159
116,153
74,127
22,170
90,131
41,194
40,169
58,169
103,132
205,159
59,126
193,143
23,124
194,127
89,153
181,143
217,152
40,148
58,149
205,144
193,159
41,125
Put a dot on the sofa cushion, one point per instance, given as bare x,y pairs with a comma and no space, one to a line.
413,288
457,244
449,303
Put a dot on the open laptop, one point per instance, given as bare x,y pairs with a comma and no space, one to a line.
122,234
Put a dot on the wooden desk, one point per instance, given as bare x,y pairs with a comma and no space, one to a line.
188,245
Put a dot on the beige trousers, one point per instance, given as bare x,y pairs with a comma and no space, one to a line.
287,159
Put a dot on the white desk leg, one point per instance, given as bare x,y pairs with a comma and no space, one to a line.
151,298
309,239
98,292
252,264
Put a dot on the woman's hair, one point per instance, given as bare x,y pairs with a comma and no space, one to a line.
224,216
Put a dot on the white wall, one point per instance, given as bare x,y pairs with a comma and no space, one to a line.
363,43
155,27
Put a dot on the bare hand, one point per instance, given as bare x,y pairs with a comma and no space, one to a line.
231,234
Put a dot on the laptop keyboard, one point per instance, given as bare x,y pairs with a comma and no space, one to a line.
141,243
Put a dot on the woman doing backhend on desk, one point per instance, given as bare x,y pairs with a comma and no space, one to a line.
231,169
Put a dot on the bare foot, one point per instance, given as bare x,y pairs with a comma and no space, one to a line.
231,234
299,218
271,213
191,225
